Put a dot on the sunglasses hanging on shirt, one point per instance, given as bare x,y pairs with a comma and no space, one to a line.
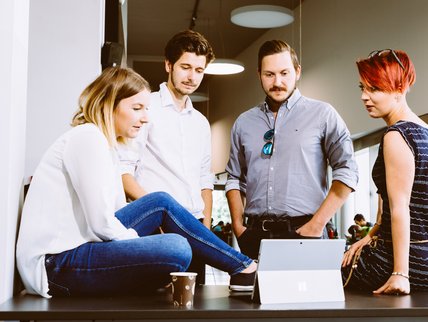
268,147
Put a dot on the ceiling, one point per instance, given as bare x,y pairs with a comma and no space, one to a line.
151,23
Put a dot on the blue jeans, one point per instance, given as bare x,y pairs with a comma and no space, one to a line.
143,264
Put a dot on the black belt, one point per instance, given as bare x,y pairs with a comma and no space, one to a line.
276,222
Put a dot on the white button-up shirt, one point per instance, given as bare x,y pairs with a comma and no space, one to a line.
172,152
74,194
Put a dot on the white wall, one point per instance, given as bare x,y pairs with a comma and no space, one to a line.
334,34
62,41
13,92
349,29
64,57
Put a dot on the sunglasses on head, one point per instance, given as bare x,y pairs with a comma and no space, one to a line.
268,147
387,52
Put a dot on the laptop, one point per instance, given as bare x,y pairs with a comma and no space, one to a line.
299,271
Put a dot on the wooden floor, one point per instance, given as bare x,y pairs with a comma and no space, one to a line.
217,303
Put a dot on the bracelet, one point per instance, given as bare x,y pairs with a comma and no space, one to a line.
400,274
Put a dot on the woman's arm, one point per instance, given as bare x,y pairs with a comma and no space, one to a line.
357,247
400,171
95,178
132,189
379,210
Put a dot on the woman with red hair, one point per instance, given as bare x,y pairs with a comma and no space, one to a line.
393,257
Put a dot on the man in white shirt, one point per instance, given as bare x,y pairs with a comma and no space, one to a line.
173,152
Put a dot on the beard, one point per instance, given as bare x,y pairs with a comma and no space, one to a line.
278,94
182,90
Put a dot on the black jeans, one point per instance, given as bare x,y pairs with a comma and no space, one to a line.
270,227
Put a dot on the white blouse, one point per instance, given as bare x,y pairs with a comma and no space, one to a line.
74,194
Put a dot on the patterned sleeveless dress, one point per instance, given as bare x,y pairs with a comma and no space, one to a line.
376,264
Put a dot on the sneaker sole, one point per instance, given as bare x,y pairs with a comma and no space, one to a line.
241,288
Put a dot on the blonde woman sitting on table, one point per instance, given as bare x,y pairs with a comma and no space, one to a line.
79,237
393,257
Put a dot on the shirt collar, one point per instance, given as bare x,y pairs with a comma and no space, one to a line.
167,101
288,104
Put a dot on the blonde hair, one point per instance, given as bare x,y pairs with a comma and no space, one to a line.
100,98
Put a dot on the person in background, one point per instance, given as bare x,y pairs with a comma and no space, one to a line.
361,221
219,227
173,152
279,155
218,230
355,233
364,225
331,230
393,257
77,234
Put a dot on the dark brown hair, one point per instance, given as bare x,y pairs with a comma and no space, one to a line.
188,41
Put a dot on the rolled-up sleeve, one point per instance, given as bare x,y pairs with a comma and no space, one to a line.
129,159
339,149
236,167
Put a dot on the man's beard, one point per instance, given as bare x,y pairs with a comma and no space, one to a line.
271,93
179,90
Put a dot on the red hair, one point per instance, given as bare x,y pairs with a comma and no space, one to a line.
383,72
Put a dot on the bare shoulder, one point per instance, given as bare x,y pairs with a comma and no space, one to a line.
395,147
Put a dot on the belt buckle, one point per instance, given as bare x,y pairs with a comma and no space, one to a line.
263,224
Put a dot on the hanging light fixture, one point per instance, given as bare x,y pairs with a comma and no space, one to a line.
218,66
262,16
224,67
